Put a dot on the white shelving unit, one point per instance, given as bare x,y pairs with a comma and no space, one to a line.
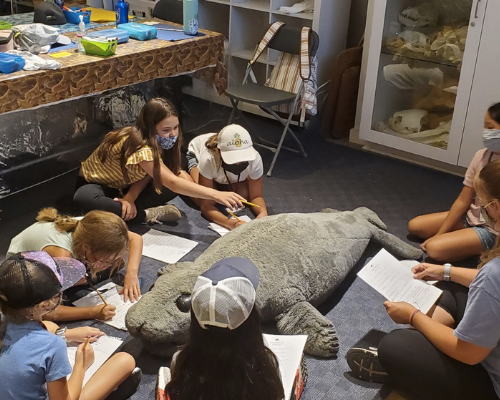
244,22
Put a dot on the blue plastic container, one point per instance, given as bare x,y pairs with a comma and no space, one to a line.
140,31
74,17
10,63
121,34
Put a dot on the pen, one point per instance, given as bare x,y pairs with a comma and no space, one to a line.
86,343
250,204
237,219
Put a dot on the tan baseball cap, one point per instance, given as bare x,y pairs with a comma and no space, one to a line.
235,145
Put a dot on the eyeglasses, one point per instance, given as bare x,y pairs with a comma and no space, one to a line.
97,264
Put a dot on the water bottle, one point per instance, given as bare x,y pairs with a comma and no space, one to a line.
121,12
81,33
190,14
59,3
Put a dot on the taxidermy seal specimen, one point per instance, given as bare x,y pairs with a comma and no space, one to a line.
302,258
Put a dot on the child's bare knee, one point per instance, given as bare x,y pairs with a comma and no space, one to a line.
125,361
435,250
415,226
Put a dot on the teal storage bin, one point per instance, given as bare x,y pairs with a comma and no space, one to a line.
139,31
74,17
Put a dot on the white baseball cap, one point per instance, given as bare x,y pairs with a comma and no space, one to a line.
235,145
224,296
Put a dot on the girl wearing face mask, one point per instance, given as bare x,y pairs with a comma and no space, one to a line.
128,173
463,232
453,352
227,161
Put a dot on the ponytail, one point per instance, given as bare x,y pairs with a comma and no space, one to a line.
63,223
211,144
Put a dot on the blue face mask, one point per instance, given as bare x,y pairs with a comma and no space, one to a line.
168,142
491,139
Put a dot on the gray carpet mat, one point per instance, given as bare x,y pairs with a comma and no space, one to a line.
331,176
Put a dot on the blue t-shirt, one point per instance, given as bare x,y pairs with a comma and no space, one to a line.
29,358
481,322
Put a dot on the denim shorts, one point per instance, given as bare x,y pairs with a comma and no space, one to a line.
487,238
192,160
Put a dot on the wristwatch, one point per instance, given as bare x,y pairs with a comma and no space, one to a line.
61,332
446,273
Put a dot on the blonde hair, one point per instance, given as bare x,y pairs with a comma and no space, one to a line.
102,231
211,144
488,179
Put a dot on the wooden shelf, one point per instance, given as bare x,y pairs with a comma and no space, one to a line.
218,1
253,5
305,15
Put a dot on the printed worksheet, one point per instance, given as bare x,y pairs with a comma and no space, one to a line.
288,350
111,293
221,230
395,282
166,247
103,348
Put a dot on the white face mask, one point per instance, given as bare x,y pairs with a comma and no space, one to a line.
491,139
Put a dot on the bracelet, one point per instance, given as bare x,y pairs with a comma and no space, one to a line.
412,315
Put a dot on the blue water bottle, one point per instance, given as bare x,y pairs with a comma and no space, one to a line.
121,12
190,14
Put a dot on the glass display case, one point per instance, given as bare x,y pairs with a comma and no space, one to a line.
420,69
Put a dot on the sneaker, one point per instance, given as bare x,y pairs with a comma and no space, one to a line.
167,213
365,365
128,387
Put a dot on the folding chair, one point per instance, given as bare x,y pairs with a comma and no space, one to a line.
285,39
169,10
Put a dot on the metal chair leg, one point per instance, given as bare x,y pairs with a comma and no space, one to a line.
287,125
235,107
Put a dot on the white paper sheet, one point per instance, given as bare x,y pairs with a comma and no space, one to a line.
395,282
166,247
288,350
110,292
103,348
221,230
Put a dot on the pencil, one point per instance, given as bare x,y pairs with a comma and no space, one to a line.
97,291
86,343
250,204
237,219
102,298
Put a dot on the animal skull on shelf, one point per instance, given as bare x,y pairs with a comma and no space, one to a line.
408,121
415,41
424,14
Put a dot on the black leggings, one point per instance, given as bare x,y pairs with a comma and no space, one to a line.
415,364
92,196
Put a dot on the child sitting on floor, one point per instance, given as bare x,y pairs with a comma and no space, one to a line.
33,361
98,240
453,352
227,161
462,232
226,357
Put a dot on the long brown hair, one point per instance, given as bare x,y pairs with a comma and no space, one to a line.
226,364
104,232
488,179
143,133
